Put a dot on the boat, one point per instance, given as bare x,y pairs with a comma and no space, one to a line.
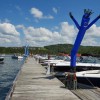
17,57
86,64
86,72
57,59
89,77
40,58
1,59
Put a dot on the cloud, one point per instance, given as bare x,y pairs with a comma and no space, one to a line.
67,34
20,27
9,36
8,29
92,36
41,36
38,36
39,14
90,42
55,10
94,31
36,13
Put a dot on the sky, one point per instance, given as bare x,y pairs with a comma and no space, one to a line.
46,22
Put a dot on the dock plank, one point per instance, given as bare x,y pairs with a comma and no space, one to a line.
34,84
85,92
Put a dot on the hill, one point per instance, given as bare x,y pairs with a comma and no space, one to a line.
53,49
66,48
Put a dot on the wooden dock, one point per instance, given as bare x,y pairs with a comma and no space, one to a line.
34,84
87,93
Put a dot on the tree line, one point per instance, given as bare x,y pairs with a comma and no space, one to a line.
52,49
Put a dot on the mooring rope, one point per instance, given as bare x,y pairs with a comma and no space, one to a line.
89,81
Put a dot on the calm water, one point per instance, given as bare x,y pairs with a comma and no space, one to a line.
8,72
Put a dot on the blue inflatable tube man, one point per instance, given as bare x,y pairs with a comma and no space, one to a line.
82,29
26,50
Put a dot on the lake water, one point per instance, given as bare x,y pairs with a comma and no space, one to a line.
8,72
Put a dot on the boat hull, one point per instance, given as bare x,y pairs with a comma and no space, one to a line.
78,68
1,59
14,57
89,81
17,57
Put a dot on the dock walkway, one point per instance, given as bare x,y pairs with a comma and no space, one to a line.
34,84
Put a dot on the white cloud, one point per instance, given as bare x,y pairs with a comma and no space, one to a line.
55,10
68,32
8,29
92,36
39,14
9,35
94,31
36,13
90,42
20,27
67,29
37,35
42,36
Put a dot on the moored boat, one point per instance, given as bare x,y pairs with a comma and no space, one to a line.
17,57
1,60
89,77
83,65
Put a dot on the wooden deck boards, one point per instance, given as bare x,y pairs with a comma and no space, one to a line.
34,84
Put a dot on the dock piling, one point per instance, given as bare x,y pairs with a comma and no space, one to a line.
71,81
48,69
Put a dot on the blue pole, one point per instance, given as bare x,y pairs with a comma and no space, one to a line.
25,50
82,29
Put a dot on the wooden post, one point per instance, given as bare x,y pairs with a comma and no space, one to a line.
71,81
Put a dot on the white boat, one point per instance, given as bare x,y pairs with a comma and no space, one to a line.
17,57
20,57
58,59
40,58
90,77
87,73
80,66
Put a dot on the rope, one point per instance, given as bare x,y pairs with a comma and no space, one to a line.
89,81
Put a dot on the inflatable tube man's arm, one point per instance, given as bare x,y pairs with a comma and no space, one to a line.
93,22
76,23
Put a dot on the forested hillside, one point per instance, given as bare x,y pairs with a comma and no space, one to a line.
66,48
52,49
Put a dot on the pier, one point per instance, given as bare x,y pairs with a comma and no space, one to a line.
32,83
